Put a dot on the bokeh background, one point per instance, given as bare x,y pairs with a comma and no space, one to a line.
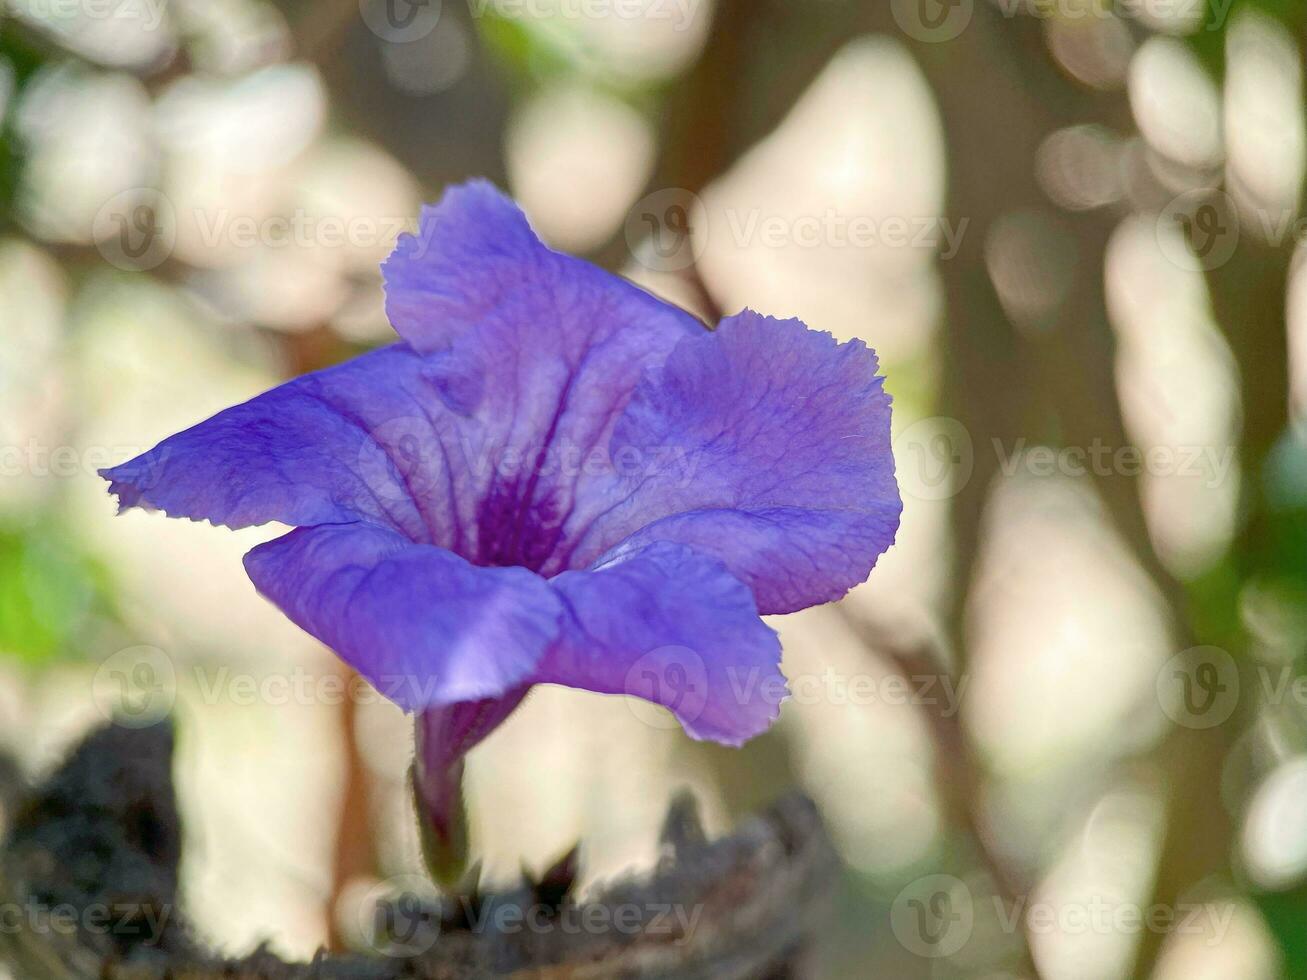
1061,732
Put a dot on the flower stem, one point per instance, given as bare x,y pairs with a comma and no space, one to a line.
442,738
442,822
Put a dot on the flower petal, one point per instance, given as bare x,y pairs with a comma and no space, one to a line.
367,440
547,350
476,266
675,628
774,444
424,626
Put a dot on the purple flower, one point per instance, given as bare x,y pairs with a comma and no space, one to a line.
554,478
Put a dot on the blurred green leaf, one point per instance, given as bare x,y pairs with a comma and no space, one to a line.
21,60
1214,604
531,52
1284,491
47,590
1286,915
534,52
1208,42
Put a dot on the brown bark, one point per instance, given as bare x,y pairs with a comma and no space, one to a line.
104,832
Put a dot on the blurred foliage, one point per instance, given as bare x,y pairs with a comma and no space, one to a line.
48,591
1284,914
19,61
529,51
1208,42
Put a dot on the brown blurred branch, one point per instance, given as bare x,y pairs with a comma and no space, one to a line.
319,27
104,830
353,855
959,772
699,120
